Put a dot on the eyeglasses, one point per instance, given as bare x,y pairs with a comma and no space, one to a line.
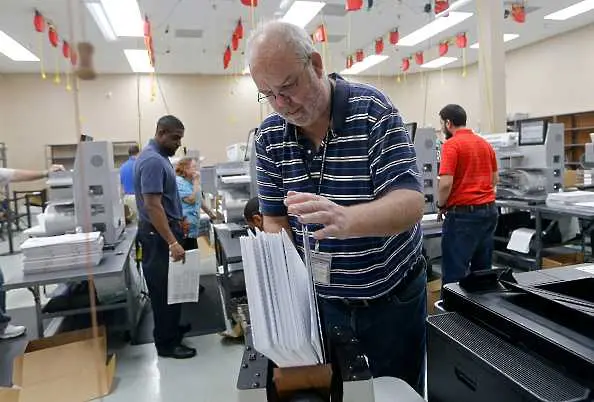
286,91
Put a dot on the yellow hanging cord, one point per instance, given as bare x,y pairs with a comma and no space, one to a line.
40,36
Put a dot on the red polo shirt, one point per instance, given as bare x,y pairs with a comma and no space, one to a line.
471,160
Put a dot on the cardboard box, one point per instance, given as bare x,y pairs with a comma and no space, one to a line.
433,294
561,259
69,367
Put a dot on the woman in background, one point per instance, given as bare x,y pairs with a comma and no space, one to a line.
188,187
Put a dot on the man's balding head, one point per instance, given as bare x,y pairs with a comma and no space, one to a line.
272,39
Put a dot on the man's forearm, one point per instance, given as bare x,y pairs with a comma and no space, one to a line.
158,219
393,213
28,175
443,194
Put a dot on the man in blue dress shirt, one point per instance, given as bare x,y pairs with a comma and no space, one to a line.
127,182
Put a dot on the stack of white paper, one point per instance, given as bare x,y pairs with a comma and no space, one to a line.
281,299
44,254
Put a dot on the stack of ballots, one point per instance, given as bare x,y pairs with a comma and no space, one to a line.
55,253
281,298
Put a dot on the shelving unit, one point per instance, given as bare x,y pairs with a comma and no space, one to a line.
64,154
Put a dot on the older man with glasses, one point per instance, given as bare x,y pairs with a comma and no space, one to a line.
336,158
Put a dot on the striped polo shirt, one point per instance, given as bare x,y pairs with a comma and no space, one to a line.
367,155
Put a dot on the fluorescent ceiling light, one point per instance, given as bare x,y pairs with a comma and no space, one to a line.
439,62
506,38
124,17
571,11
436,26
139,60
367,62
98,13
14,50
302,12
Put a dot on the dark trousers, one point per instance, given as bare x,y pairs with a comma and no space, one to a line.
155,266
391,330
467,242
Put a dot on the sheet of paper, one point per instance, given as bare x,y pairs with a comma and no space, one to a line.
183,282
520,240
588,268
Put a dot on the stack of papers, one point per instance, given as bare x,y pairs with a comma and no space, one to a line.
56,253
282,303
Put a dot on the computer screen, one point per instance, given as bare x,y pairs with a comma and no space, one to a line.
532,132
411,129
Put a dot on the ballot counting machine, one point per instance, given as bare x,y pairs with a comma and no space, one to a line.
531,160
425,143
93,186
350,380
514,337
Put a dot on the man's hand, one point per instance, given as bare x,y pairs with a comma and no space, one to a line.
56,168
177,252
312,208
440,215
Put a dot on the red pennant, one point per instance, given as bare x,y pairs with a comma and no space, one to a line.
359,55
39,22
394,36
443,48
353,5
405,65
349,62
147,26
234,42
441,6
250,3
419,58
73,57
239,30
52,34
518,13
66,50
379,46
320,34
226,57
461,40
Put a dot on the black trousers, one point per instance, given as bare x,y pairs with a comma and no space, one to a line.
155,266
189,243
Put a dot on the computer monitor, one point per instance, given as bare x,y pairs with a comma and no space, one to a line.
411,129
532,132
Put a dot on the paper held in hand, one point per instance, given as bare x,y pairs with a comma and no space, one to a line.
184,279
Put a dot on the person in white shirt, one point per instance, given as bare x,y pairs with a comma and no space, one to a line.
7,330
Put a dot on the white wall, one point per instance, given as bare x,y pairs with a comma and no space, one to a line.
550,77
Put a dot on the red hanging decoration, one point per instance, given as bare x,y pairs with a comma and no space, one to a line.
461,40
419,58
379,46
359,55
73,57
394,37
148,40
441,6
39,22
239,30
405,64
234,42
226,57
349,62
53,36
518,13
353,5
66,49
250,3
443,49
320,34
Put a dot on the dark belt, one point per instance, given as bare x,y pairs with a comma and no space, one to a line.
145,225
471,208
416,270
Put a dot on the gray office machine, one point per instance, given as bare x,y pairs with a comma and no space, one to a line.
60,186
97,194
531,160
589,156
425,143
233,187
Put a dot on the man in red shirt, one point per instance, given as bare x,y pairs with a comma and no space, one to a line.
467,180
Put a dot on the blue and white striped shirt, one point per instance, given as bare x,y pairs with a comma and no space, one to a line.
368,155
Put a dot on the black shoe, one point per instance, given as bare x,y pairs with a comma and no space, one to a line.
178,352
